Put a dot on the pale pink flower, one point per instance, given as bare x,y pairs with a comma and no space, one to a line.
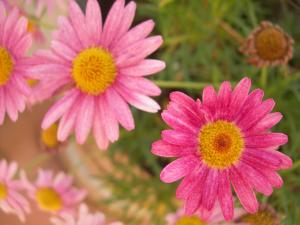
84,217
101,69
54,194
222,141
213,217
11,200
14,42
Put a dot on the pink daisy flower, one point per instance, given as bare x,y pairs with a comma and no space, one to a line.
54,194
83,218
14,42
11,201
216,218
223,141
102,68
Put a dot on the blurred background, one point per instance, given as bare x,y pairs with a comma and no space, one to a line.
202,42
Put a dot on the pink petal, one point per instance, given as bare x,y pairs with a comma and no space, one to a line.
127,19
139,85
239,95
266,140
93,20
67,122
209,98
23,45
192,182
10,106
257,114
179,138
164,149
59,108
178,123
138,51
266,123
78,21
210,189
256,179
225,196
268,158
84,119
120,109
2,106
178,169
136,34
9,25
139,101
243,191
67,34
109,120
63,50
252,101
99,132
144,68
112,22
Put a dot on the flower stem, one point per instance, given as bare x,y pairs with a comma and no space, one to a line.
181,85
264,77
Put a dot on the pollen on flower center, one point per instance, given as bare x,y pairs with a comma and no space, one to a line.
3,191
6,66
262,217
220,144
94,70
271,44
193,220
49,199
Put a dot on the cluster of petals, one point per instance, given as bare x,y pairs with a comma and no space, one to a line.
14,43
11,198
255,169
83,217
83,112
61,185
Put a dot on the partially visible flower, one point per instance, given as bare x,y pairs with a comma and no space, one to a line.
47,6
11,200
49,138
214,217
268,45
101,69
222,142
54,194
14,42
266,215
84,217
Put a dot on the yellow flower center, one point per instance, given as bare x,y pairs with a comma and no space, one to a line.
3,192
49,136
220,144
193,220
263,217
6,66
48,199
94,70
271,44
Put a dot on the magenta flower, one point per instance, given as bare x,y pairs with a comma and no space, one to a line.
11,200
14,42
101,70
54,194
222,141
83,218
